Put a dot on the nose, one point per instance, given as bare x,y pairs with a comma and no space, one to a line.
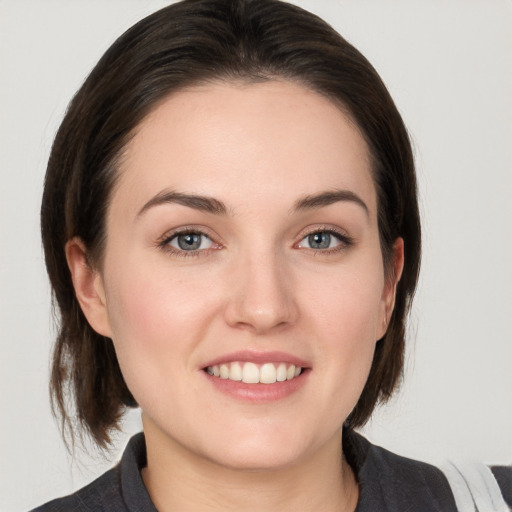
261,297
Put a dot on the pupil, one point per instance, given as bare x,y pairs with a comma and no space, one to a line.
319,240
189,241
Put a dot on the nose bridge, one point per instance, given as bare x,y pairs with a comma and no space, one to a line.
262,293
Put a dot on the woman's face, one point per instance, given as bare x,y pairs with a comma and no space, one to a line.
242,243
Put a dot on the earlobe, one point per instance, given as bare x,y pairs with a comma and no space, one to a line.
88,285
393,276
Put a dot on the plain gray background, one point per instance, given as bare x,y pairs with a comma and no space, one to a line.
448,65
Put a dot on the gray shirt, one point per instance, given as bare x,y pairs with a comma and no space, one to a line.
388,482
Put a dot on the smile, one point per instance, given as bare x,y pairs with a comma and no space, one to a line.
251,373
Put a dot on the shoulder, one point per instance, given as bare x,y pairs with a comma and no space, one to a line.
118,490
391,482
503,475
477,486
100,495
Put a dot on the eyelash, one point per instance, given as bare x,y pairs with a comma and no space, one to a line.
345,240
164,243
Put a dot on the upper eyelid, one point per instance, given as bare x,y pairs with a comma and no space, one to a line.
164,242
183,230
345,240
214,237
309,230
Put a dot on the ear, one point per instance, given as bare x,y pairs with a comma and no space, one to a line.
88,285
393,276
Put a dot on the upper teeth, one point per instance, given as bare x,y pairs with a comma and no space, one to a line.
251,373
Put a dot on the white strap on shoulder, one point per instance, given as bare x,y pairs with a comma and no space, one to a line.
474,487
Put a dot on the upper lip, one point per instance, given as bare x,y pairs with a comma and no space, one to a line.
258,357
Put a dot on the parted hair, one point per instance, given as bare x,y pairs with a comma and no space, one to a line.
185,44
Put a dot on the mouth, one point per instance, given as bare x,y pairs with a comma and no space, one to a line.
257,377
253,373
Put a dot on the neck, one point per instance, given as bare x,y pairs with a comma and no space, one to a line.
177,480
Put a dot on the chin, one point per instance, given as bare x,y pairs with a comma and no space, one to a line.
260,450
256,458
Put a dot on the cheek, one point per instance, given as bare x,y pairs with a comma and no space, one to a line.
135,307
147,304
155,330
345,318
351,322
348,305
155,317
138,328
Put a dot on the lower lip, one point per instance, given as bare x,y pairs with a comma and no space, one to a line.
258,393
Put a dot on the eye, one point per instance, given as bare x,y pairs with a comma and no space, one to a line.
190,241
324,240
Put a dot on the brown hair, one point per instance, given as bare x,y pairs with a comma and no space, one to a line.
187,43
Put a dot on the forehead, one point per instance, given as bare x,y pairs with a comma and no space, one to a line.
273,140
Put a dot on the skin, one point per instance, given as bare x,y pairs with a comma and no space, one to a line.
255,284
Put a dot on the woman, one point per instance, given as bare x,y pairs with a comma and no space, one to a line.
231,230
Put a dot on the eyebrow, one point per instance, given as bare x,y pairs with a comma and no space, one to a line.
327,198
212,205
202,203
